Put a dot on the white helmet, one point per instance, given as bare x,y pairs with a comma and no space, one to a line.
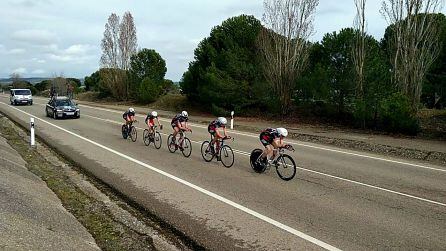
131,109
282,132
154,114
222,120
184,114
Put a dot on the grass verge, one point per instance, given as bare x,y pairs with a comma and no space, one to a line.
109,232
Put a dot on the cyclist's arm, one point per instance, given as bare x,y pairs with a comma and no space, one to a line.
157,120
225,132
217,133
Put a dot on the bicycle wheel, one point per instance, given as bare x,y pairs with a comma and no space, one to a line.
146,137
227,156
285,167
186,147
133,133
172,147
124,131
206,151
157,140
257,167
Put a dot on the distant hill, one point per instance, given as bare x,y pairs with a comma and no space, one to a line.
31,80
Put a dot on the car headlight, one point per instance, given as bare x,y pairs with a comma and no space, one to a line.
77,110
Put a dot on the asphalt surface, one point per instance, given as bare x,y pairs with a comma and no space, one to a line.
338,199
31,215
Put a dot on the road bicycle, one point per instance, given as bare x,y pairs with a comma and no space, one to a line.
154,136
224,154
284,164
129,131
182,143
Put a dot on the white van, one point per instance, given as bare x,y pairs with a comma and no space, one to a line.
21,96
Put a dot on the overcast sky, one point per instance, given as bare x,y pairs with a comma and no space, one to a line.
41,38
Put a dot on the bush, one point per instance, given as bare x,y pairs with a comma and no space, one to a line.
397,115
218,111
172,102
149,90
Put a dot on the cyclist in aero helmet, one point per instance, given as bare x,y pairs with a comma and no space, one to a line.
150,121
179,122
272,139
129,116
213,127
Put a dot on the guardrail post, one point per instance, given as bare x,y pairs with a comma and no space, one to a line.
33,137
232,120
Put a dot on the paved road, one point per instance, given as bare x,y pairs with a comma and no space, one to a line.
339,199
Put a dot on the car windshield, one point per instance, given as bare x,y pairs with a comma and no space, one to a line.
22,92
64,102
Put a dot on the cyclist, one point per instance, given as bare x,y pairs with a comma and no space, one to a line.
179,122
213,127
150,121
272,139
129,117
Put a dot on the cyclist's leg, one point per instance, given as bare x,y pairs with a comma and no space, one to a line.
218,136
174,134
275,144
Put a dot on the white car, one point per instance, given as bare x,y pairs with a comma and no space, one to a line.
21,97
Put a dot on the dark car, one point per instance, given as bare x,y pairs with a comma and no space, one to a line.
62,107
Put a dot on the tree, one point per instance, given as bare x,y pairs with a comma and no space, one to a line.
128,43
118,45
110,43
359,53
148,64
434,89
43,85
413,43
226,72
149,90
92,82
284,44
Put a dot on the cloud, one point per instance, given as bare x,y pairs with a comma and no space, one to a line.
77,53
40,61
16,51
38,71
20,70
35,36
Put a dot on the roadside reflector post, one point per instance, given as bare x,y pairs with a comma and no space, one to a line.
33,137
232,120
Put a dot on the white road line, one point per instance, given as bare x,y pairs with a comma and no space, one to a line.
200,189
317,172
296,143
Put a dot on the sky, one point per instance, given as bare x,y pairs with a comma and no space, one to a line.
46,38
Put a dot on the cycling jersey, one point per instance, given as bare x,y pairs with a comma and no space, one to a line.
178,119
268,135
150,119
214,125
128,114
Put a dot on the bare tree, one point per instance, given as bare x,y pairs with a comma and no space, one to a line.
414,42
59,84
127,40
110,43
127,44
359,47
284,43
118,45
15,78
